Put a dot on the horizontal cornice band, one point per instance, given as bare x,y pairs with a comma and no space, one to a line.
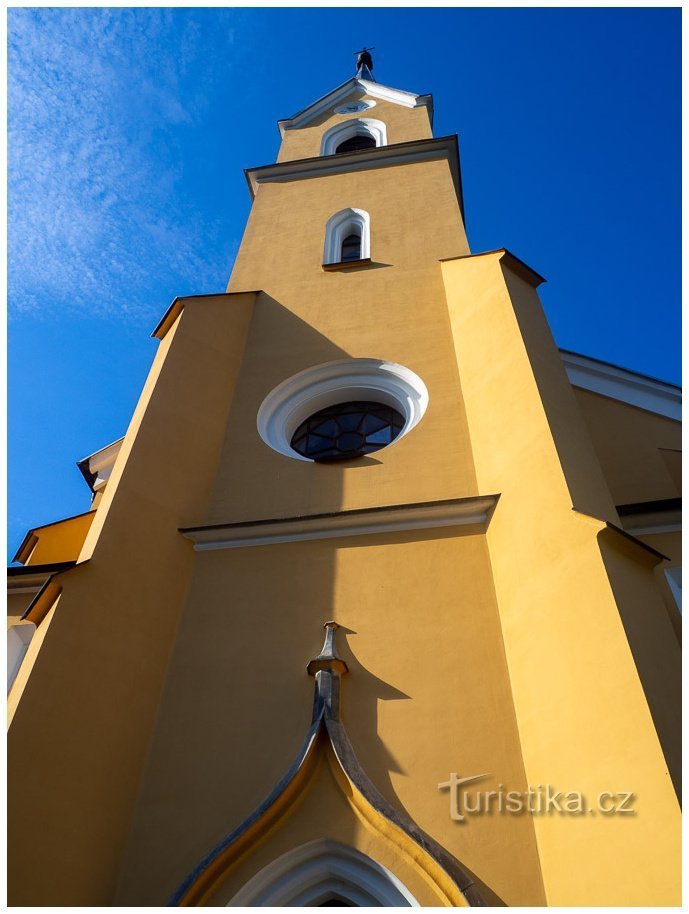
646,393
453,512
379,157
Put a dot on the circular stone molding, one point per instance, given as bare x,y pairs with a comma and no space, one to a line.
355,107
305,393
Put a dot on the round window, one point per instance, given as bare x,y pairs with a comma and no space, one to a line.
347,430
341,410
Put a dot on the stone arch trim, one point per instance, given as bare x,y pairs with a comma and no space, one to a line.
304,393
359,126
327,734
307,875
346,222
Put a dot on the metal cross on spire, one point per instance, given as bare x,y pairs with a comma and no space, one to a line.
364,63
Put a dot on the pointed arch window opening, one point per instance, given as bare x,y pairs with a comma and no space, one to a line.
347,237
351,247
354,134
356,142
322,874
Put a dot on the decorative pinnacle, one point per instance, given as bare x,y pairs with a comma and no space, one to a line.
328,659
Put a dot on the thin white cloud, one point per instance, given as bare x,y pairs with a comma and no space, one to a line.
96,197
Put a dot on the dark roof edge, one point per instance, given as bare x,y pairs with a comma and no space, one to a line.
614,528
177,305
449,145
14,571
339,157
650,507
521,268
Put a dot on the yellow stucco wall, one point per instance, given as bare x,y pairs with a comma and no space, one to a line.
22,678
583,718
427,694
17,604
402,125
170,692
60,541
308,316
325,802
630,445
81,730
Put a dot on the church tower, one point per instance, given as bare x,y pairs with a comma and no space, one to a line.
368,552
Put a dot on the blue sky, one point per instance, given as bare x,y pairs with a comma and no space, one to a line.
129,130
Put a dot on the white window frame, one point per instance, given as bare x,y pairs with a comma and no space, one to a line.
341,381
348,221
359,126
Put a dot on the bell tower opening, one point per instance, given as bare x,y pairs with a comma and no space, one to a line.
358,141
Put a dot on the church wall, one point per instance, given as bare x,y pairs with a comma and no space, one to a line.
427,694
325,802
17,603
583,718
402,126
168,690
309,316
80,732
653,641
628,444
61,541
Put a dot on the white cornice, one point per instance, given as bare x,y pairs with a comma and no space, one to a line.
397,154
626,386
453,512
96,468
359,86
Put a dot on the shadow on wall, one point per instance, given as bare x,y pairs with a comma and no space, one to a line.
237,700
652,640
253,481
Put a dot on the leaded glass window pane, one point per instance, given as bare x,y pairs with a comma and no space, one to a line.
347,430
351,248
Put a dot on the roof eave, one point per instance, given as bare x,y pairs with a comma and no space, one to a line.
375,89
434,147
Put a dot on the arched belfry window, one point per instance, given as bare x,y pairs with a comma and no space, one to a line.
347,236
356,142
351,247
354,134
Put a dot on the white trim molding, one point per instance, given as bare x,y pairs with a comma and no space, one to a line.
472,512
620,384
357,126
355,107
319,871
305,393
355,88
97,468
347,222
18,639
361,160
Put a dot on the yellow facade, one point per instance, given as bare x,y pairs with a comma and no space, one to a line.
532,644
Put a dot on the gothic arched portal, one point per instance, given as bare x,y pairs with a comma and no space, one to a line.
310,875
324,873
